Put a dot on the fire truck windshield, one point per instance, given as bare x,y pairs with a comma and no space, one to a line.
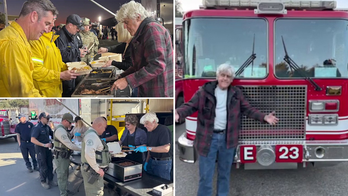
210,42
3,113
318,46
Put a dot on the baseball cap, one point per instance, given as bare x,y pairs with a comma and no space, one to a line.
86,21
44,115
75,20
21,115
68,117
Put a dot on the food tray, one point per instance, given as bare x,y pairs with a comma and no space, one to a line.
82,71
80,67
98,63
102,73
111,56
120,154
94,87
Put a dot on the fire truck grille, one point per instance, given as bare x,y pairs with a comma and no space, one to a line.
289,104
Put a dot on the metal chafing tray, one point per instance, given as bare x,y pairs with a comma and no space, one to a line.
125,170
99,88
95,88
102,73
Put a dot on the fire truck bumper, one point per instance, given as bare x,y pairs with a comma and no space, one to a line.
186,150
290,154
7,136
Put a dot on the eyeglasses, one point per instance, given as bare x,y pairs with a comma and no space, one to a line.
226,75
127,124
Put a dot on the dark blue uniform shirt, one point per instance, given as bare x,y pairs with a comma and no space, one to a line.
109,131
42,133
24,130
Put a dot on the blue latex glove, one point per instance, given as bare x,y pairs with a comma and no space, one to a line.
77,134
131,147
145,166
103,139
141,149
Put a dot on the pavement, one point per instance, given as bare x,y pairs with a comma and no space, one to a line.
15,180
310,181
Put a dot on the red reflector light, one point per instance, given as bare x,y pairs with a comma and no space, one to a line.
331,106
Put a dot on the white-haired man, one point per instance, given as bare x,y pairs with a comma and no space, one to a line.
219,106
151,52
159,158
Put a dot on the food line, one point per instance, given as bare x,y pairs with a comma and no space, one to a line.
128,176
98,80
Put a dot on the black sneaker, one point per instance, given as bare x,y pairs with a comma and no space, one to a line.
30,170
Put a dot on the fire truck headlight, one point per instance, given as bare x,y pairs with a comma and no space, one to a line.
320,152
316,106
330,120
315,119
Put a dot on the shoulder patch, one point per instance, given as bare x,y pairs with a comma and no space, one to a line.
89,142
64,137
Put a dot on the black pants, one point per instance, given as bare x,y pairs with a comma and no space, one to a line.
44,156
26,149
68,88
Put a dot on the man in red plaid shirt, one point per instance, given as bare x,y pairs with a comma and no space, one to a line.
151,53
220,106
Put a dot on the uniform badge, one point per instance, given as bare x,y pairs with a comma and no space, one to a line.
89,142
29,126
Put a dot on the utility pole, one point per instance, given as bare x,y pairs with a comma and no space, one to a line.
6,16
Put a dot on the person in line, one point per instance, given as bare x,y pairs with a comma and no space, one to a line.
23,130
133,137
63,148
159,157
40,136
67,43
95,157
79,130
16,65
49,69
220,106
151,52
89,38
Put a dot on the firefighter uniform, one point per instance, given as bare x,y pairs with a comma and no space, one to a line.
44,155
16,78
48,65
63,148
94,155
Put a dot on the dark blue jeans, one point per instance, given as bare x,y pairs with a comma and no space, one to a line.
207,167
26,149
44,156
158,168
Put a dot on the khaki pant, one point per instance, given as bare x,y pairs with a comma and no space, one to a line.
95,189
62,174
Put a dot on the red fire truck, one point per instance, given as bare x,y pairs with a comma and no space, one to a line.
289,57
7,127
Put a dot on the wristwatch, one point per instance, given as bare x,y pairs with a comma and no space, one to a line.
150,148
